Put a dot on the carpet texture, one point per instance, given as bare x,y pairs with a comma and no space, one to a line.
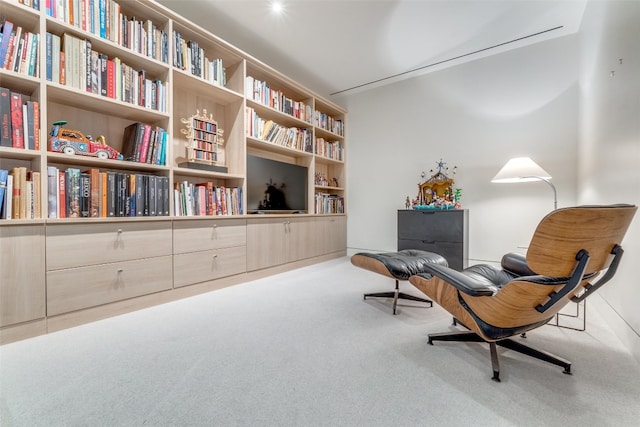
303,348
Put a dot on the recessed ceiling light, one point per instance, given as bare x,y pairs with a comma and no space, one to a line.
277,7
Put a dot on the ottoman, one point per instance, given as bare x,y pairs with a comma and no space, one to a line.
399,266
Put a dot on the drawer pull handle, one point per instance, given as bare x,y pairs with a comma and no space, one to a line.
119,230
215,226
431,242
120,270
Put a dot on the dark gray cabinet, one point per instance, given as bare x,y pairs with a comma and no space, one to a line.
445,232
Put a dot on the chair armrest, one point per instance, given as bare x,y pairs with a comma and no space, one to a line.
459,280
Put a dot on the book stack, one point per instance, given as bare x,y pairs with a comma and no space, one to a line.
145,143
19,121
18,49
101,194
330,149
206,199
325,121
73,62
189,56
328,203
20,194
270,131
105,19
260,91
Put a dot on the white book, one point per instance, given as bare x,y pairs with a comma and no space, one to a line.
52,192
55,58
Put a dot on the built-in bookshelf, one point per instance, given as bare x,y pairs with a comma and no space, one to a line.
119,78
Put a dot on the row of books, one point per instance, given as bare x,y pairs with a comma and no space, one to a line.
326,203
19,120
189,56
206,199
71,61
35,4
260,92
19,49
144,143
270,131
104,18
73,193
330,149
20,194
325,121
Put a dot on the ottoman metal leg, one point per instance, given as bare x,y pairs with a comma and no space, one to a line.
396,295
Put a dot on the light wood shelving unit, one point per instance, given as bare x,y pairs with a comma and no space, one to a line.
57,273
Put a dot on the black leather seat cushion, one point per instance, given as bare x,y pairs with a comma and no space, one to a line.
407,262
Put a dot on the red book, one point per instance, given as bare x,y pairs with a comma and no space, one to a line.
17,123
62,194
146,137
111,79
36,123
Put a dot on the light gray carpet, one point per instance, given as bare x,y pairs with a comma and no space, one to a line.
303,349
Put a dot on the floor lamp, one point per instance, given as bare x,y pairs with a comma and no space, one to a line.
523,169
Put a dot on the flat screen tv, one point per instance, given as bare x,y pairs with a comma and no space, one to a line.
275,187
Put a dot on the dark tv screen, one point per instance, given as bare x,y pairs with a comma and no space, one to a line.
274,186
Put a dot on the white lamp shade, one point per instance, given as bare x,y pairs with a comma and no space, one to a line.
521,169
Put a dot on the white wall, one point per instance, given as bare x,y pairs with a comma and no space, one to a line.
474,116
609,161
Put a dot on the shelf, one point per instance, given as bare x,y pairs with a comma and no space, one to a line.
101,104
323,133
189,82
328,188
267,113
94,162
19,153
269,146
19,82
327,160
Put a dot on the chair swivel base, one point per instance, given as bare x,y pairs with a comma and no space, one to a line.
396,295
469,336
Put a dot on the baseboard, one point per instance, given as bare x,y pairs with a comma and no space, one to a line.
623,331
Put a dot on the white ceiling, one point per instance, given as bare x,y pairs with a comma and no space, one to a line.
337,46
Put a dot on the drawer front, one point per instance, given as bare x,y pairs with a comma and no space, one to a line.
77,288
76,245
22,273
431,225
203,266
452,252
193,236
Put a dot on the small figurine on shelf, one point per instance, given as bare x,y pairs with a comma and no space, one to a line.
71,141
407,203
437,191
205,144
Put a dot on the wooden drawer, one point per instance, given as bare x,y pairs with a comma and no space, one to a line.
77,288
203,235
22,272
197,267
76,245
443,226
